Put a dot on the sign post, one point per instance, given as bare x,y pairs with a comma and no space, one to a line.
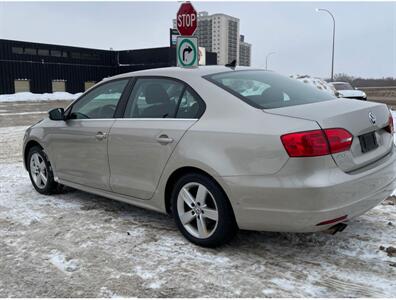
187,52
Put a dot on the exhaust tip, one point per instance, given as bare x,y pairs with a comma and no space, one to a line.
336,228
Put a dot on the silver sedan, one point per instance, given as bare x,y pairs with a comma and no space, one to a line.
220,149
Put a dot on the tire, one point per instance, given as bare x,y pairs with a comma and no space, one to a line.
39,168
196,202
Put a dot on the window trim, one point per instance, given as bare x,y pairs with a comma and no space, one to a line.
100,84
185,87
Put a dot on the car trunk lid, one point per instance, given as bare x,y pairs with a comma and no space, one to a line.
366,121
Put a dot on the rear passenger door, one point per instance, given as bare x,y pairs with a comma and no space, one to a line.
157,114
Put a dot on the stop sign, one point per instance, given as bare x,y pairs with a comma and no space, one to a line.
186,19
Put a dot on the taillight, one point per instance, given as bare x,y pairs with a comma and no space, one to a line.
317,142
390,128
307,143
339,139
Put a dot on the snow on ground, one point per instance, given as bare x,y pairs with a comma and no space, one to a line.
80,245
27,96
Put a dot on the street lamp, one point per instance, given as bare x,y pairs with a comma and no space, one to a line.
332,55
266,59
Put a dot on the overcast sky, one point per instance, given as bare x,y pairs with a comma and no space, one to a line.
300,36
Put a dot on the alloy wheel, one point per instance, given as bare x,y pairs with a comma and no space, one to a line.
197,210
38,170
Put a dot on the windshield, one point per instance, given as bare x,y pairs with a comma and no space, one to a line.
342,86
267,90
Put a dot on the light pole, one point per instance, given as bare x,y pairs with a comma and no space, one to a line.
266,59
332,55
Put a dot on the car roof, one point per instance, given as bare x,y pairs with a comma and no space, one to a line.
181,72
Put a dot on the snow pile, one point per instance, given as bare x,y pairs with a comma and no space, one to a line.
27,96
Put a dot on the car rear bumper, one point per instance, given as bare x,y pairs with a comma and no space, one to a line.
305,193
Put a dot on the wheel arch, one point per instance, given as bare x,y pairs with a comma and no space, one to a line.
29,145
178,173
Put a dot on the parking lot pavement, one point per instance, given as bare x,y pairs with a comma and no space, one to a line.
26,113
81,245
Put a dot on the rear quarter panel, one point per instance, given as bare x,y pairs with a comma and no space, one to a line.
234,138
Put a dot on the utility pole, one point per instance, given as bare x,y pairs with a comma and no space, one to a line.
332,55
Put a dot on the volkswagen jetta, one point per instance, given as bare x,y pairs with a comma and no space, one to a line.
220,149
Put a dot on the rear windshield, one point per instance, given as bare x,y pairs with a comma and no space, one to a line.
263,89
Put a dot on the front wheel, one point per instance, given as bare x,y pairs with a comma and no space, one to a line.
202,211
40,172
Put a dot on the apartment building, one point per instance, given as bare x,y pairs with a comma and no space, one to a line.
245,52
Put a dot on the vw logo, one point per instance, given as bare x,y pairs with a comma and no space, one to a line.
372,118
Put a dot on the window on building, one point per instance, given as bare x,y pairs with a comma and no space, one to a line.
21,85
64,54
43,52
30,51
76,55
56,53
58,86
17,50
86,56
89,56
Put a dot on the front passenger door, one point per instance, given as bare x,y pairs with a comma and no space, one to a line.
79,145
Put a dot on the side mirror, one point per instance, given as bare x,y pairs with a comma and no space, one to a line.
57,114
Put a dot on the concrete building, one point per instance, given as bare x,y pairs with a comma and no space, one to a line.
245,52
219,33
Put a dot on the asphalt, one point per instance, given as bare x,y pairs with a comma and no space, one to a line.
26,113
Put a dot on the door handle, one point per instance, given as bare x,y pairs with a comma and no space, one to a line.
164,139
100,135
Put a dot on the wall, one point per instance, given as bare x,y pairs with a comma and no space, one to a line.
74,65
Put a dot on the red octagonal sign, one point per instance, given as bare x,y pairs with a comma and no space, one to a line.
186,19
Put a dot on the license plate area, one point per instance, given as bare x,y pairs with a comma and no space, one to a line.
368,142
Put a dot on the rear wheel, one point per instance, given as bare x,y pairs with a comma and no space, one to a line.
202,211
40,172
